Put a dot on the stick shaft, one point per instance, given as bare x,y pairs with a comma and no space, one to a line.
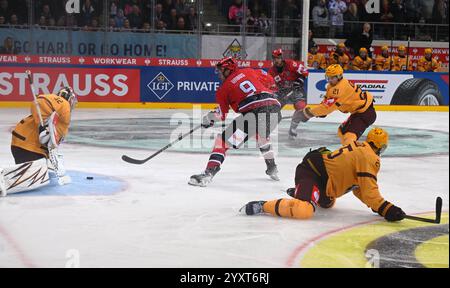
33,91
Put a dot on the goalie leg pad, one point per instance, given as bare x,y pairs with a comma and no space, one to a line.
24,177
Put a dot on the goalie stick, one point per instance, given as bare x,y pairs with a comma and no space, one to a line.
139,162
437,220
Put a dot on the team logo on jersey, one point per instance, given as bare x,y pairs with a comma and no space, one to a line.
329,101
160,86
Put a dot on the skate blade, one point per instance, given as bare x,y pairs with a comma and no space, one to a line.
274,177
194,182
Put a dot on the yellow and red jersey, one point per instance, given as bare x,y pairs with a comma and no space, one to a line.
425,65
317,61
402,64
383,63
345,97
354,168
26,132
342,60
360,64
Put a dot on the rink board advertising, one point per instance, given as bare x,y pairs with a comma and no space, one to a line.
161,80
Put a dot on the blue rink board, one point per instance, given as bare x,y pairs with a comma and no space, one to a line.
80,186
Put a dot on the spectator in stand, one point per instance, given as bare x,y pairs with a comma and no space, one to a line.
384,61
120,18
251,22
146,28
386,16
361,39
440,16
192,19
320,17
113,7
161,26
42,21
167,6
46,12
316,60
2,22
135,17
126,25
258,7
173,20
87,12
181,24
339,57
13,21
236,13
181,7
4,9
352,15
362,62
337,9
402,62
427,63
264,24
112,24
51,23
94,25
8,47
399,15
160,16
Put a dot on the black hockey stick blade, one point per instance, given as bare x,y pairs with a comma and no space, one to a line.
437,220
133,161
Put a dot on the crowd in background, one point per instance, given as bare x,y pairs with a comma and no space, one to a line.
123,15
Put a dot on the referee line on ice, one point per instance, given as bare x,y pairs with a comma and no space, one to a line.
19,252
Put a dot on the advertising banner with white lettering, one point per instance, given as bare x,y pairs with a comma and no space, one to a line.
216,47
82,43
89,84
176,84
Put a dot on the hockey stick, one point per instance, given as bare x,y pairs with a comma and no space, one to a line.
38,108
139,162
437,220
407,55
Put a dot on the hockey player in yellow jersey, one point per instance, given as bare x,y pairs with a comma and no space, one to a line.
384,62
30,141
402,62
316,60
427,63
362,62
339,57
346,97
323,176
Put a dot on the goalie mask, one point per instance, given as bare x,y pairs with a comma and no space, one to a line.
68,94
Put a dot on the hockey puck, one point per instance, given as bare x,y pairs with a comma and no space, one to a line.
90,178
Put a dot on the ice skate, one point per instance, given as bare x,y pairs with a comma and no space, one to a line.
253,208
202,180
2,185
272,170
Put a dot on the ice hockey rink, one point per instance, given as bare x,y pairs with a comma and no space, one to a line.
148,216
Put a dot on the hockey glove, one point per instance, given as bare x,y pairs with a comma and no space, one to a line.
209,119
299,84
394,213
302,115
44,134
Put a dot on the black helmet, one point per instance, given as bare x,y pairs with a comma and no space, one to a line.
67,93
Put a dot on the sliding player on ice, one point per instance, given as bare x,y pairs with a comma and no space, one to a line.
290,77
246,91
324,176
32,144
346,97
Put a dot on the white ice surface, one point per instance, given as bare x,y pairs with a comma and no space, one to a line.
160,221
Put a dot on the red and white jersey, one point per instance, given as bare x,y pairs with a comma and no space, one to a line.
242,91
292,71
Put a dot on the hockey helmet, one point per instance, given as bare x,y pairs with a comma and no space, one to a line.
277,53
68,94
402,48
334,70
429,51
363,50
379,138
385,48
227,63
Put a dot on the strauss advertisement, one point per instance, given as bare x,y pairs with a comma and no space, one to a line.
90,85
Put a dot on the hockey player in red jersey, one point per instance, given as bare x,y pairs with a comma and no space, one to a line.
246,91
290,77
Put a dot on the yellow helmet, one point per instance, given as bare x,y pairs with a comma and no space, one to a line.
341,45
334,70
402,48
379,138
429,51
385,48
363,50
